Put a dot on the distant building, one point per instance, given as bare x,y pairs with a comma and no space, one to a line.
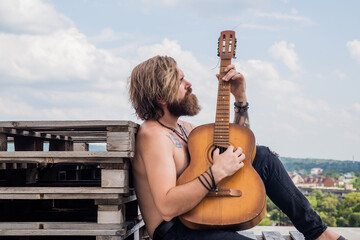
348,177
296,178
329,182
316,171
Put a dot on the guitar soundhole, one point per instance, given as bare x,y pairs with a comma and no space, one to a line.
211,152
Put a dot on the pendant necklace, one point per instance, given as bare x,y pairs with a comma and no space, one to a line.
181,135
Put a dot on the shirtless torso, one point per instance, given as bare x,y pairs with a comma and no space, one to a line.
175,155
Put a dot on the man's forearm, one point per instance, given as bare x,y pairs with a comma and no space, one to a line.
242,118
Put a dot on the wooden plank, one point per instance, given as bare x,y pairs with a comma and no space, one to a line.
121,200
111,215
120,141
114,178
295,235
74,196
80,146
89,139
3,142
65,157
135,228
99,125
60,232
270,235
109,238
11,132
248,234
113,166
61,192
78,133
58,225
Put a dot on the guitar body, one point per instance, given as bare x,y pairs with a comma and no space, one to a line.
227,212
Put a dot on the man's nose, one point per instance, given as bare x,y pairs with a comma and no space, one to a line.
187,84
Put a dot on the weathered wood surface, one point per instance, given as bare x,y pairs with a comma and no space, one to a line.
64,157
68,229
61,193
267,235
3,142
295,235
61,229
98,125
111,214
248,234
121,200
114,178
120,141
28,133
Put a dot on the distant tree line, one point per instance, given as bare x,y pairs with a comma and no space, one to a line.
331,168
334,212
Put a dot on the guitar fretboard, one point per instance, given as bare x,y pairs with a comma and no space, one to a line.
222,118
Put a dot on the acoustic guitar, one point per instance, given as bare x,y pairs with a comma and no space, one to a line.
240,202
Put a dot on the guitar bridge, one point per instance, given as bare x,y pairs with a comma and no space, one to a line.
225,193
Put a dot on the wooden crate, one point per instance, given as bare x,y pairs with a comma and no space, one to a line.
109,188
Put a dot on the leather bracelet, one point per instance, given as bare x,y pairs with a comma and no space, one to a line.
240,108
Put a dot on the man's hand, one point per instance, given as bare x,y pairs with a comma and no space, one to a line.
227,163
238,83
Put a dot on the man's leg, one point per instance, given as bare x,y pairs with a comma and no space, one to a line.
282,191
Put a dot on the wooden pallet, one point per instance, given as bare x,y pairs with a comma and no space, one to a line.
118,215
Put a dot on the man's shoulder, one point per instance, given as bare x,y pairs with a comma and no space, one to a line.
188,126
151,136
149,128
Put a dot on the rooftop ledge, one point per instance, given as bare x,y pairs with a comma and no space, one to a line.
258,231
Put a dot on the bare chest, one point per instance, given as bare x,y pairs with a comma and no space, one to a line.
181,159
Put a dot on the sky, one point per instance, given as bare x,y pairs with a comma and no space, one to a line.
71,60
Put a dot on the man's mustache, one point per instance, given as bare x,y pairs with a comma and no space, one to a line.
189,91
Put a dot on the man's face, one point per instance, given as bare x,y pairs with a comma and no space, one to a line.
186,103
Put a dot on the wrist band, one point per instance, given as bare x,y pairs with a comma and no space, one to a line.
213,180
209,186
240,108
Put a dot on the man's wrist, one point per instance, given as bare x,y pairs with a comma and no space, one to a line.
240,107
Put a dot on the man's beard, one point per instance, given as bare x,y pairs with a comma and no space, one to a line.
188,106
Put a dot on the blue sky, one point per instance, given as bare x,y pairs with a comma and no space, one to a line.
62,59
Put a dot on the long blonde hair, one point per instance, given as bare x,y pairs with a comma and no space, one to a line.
152,81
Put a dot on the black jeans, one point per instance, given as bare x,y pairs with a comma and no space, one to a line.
280,189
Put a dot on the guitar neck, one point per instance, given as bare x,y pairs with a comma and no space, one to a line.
222,118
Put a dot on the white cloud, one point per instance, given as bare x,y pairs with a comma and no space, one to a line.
340,75
62,55
286,53
354,49
285,96
294,11
260,26
109,35
356,107
32,16
193,70
286,17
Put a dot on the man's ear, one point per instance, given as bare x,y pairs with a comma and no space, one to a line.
161,101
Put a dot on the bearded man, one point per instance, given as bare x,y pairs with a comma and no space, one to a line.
160,94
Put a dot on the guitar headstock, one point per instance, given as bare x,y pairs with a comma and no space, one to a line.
227,45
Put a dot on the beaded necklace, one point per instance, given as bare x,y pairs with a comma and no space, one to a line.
181,135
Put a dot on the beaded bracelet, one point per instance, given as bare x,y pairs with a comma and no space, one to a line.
240,108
